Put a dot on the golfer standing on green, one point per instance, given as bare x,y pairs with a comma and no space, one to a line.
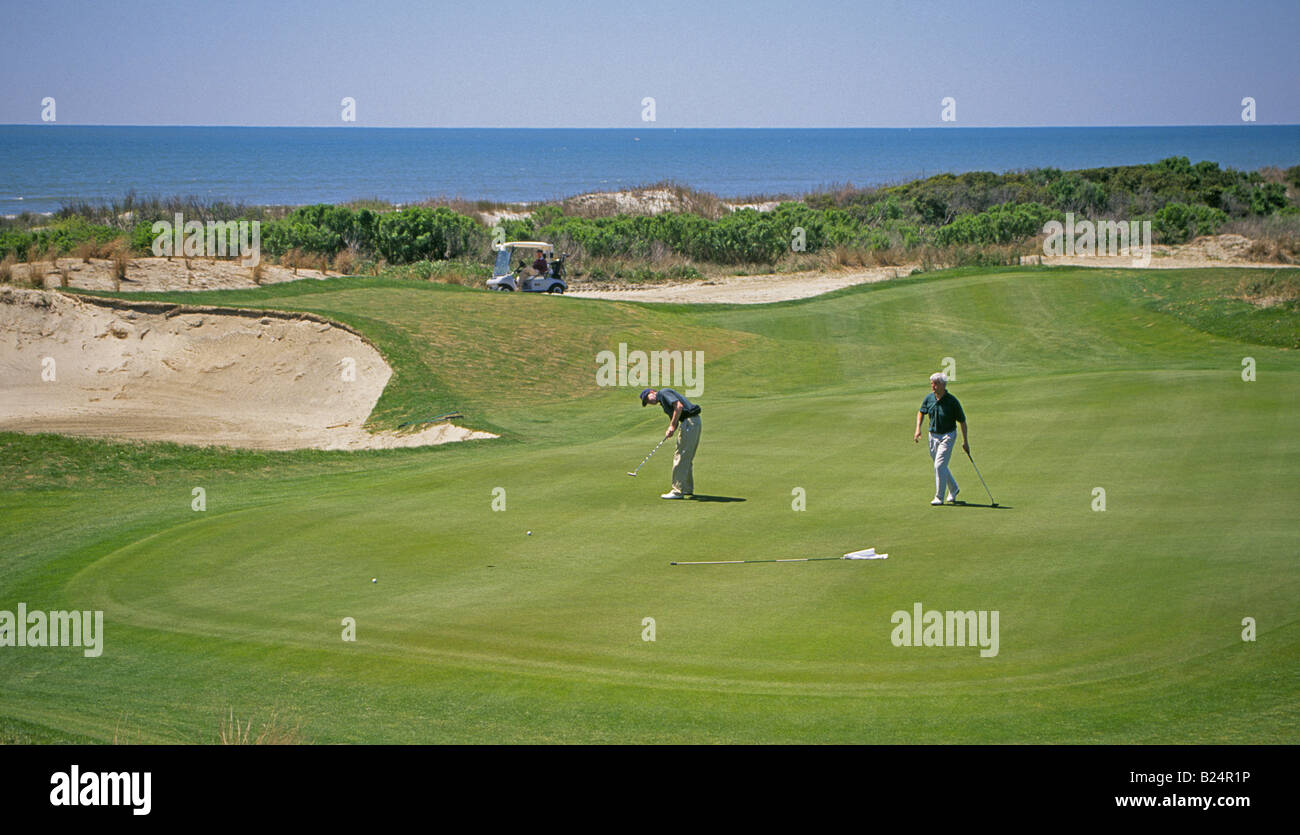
683,415
945,415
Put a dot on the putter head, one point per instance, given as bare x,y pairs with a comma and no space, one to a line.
632,474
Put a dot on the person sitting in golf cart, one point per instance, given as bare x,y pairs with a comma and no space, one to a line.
541,266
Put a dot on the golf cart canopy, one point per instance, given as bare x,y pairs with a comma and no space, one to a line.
525,245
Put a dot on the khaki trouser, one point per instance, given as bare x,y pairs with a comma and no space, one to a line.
941,447
688,438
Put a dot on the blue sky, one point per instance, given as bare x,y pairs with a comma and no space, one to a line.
589,64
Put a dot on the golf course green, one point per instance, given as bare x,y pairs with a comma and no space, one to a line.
1116,625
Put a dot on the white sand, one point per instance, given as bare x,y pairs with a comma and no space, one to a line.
748,289
155,275
199,376
648,201
1207,251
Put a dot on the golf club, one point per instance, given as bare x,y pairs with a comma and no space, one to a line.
866,554
977,472
647,458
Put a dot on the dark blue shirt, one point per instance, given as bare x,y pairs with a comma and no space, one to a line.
944,414
669,399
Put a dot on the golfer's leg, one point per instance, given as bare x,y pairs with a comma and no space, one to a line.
952,480
677,462
943,475
688,438
934,457
692,444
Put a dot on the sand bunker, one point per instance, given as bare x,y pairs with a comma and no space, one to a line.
202,376
147,274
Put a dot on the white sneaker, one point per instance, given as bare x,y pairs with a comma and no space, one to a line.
936,502
953,497
672,494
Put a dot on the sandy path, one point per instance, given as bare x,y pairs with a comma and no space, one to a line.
748,289
201,376
1210,251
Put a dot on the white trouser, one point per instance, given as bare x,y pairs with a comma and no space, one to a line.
941,450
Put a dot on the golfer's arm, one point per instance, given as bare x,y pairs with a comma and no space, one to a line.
677,415
964,439
919,415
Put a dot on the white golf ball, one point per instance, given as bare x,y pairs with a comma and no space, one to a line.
530,533
374,579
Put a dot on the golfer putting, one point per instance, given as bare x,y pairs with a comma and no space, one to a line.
946,415
683,421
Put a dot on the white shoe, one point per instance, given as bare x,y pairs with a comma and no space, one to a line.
936,502
953,497
672,494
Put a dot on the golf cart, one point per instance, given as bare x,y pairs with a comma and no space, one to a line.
524,277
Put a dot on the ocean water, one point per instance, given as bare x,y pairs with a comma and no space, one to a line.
42,166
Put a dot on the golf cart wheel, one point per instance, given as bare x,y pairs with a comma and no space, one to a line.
505,288
555,289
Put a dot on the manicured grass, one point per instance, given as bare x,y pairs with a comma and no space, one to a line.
1115,626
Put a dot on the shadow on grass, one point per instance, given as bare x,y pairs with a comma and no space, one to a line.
717,499
998,506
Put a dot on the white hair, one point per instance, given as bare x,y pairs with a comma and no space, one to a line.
940,376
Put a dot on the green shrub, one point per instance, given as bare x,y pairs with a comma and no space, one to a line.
1262,199
1178,222
743,237
1072,193
14,242
427,234
1096,192
62,236
142,237
282,236
518,229
999,225
930,210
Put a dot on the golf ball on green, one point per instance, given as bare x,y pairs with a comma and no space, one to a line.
374,579
530,533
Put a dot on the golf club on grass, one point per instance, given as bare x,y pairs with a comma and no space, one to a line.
647,458
977,472
865,554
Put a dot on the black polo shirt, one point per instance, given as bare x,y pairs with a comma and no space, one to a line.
945,413
669,399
